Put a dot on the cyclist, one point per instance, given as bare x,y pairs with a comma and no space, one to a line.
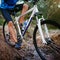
10,5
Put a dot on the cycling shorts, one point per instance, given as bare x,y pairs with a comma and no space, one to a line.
7,12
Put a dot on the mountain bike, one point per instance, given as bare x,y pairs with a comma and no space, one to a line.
43,32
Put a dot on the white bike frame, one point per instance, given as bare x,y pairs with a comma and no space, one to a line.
34,11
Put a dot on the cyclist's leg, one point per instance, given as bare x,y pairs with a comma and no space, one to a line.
8,18
12,31
24,9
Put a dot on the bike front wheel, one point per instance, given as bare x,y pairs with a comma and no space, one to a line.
54,36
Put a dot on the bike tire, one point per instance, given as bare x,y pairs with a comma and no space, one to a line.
50,22
7,35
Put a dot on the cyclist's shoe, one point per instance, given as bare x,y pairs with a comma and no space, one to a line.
18,44
24,25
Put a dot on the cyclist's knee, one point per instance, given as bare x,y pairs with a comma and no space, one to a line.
8,21
25,6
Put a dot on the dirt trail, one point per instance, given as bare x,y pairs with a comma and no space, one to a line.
26,53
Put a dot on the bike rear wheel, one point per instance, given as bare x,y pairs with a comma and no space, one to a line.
6,34
54,31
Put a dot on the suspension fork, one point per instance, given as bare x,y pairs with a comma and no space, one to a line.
46,29
40,30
